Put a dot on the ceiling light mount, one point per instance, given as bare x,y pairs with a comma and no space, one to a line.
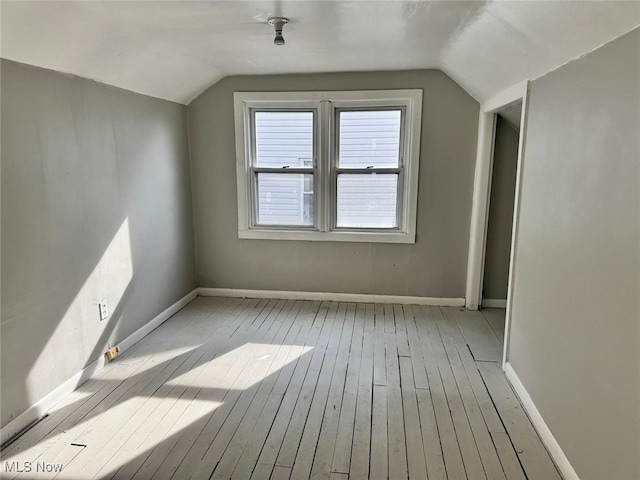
278,23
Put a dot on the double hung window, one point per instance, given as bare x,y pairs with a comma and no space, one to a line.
339,166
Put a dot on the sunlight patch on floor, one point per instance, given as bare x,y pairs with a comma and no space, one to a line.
120,434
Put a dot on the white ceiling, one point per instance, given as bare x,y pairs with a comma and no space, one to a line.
176,49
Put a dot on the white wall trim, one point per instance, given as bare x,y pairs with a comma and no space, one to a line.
494,303
480,209
42,406
560,459
146,329
333,297
515,228
505,98
324,104
482,185
46,403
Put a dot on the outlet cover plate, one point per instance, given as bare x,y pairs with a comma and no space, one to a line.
104,312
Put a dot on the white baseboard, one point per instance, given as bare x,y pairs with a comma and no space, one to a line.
143,331
46,403
42,406
560,459
494,303
333,297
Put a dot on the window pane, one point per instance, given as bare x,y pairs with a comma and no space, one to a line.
367,200
370,138
285,199
284,139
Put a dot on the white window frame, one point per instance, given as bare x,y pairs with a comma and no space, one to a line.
327,105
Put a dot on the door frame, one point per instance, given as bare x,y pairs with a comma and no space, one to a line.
481,199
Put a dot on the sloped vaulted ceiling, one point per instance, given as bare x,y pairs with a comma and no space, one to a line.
176,49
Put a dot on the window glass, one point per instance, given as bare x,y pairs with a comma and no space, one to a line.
369,138
285,199
283,139
367,200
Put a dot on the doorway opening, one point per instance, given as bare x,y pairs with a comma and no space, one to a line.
495,209
495,278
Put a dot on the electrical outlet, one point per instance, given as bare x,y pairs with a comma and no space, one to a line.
104,313
112,353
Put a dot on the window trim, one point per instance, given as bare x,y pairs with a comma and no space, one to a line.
336,170
327,105
254,169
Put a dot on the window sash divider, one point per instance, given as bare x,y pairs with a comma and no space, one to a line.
325,158
276,170
364,171
277,227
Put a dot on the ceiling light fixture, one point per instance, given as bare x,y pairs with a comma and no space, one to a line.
278,23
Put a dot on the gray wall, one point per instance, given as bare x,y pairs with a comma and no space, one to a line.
95,205
434,266
575,339
503,187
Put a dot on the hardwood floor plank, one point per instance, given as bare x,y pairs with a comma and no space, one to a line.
281,473
269,452
186,413
359,465
344,437
138,412
312,429
482,341
258,417
415,349
265,388
508,457
80,405
532,454
58,444
432,442
276,402
323,458
379,361
484,443
379,459
402,342
262,375
487,407
444,421
130,455
464,435
265,402
495,319
395,414
172,462
431,446
293,437
416,465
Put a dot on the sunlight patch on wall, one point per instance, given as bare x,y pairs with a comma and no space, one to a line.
81,326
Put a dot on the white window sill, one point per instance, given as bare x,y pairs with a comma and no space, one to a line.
336,236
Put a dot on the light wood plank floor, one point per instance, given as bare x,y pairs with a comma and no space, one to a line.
260,389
